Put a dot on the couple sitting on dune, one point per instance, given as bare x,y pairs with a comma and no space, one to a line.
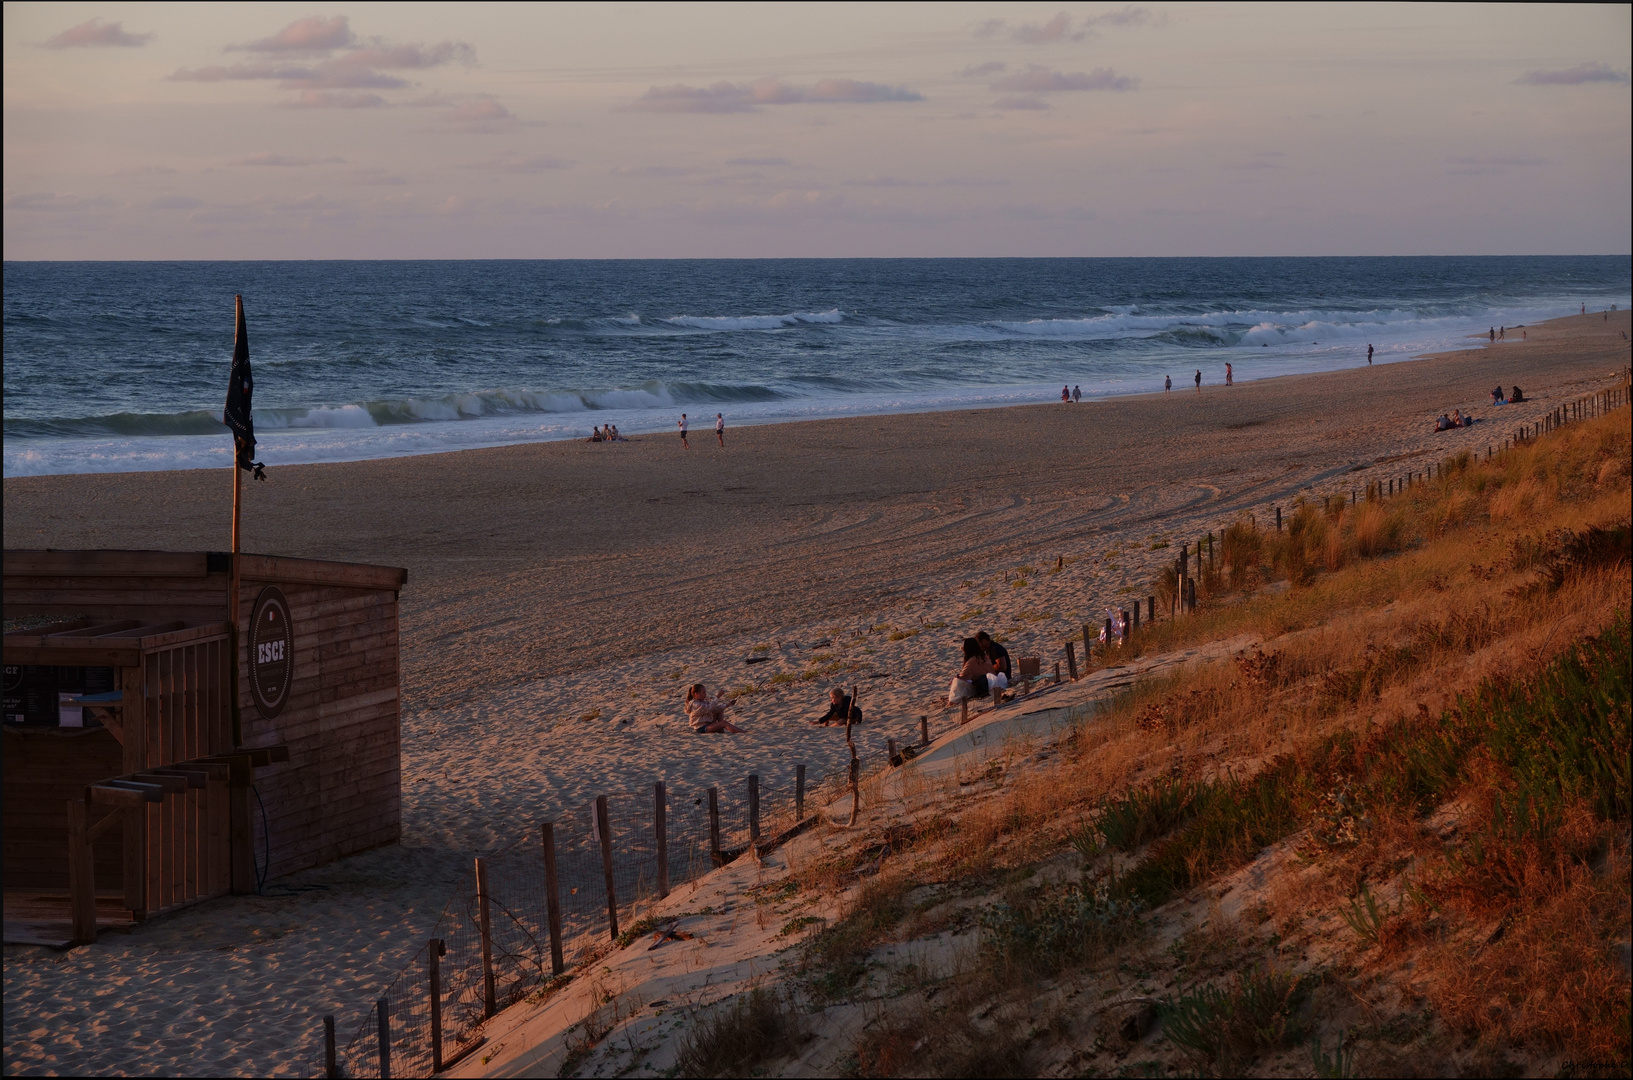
1455,420
708,715
984,672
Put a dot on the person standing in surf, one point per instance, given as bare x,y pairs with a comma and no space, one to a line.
1167,383
720,429
1369,353
1229,376
683,441
1199,380
1077,394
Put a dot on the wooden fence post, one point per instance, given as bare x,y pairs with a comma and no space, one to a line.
753,808
382,1011
604,828
434,953
331,1070
799,792
660,817
891,754
1071,659
484,919
714,827
81,873
1151,609
924,730
1278,519
552,899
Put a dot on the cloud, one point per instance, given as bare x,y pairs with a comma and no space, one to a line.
758,161
1060,27
485,113
97,34
1037,79
1018,102
313,34
336,99
976,71
535,164
1582,73
286,162
727,97
1492,165
55,202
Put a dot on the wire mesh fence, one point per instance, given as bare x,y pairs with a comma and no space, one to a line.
574,886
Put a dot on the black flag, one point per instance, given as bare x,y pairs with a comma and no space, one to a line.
240,387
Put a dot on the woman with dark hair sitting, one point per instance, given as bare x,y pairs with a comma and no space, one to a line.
971,680
708,715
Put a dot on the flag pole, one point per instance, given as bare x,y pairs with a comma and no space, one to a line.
232,595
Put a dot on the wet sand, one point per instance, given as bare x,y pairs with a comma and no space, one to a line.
560,595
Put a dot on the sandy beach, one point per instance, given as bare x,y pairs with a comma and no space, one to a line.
561,595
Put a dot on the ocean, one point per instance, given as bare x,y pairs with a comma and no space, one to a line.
120,366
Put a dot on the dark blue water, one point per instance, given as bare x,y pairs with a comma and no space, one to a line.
117,366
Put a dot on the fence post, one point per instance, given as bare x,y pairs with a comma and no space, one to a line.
1136,625
434,953
660,818
799,792
382,1010
552,899
81,873
1071,658
604,827
330,1069
924,731
1150,609
1278,519
714,827
890,752
490,1003
753,808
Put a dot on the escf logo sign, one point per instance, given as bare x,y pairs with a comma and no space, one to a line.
271,652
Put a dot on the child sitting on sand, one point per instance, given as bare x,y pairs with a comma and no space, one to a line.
839,708
707,715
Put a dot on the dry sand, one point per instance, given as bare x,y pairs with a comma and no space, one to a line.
560,595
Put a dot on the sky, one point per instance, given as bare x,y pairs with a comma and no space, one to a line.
361,131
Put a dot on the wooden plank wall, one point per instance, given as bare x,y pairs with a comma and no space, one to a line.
43,770
341,791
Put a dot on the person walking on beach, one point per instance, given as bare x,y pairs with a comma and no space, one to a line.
1066,394
1229,376
683,441
720,429
1167,383
1199,380
1077,394
1493,333
1369,352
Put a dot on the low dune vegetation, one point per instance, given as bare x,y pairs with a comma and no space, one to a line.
1390,834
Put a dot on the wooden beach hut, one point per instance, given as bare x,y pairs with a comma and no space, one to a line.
132,786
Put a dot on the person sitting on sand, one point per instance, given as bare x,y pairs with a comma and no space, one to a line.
839,709
1457,418
971,680
1497,396
707,714
1443,422
998,657
1516,396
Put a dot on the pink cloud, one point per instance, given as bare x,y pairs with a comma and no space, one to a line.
1576,76
1058,28
1037,79
727,97
97,34
336,99
313,34
1018,102
360,69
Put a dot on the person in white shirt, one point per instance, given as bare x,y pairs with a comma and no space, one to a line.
683,441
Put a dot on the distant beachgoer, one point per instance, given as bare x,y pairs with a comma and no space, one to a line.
1516,396
1493,333
1229,375
1457,418
839,709
1066,394
595,434
1167,382
971,679
1525,335
720,428
1502,332
1443,422
1497,396
1077,394
1369,352
683,441
1584,309
1199,379
706,714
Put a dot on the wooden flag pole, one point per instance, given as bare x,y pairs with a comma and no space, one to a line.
232,595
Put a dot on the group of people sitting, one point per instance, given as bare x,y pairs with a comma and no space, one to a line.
984,672
1455,420
1514,398
606,434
